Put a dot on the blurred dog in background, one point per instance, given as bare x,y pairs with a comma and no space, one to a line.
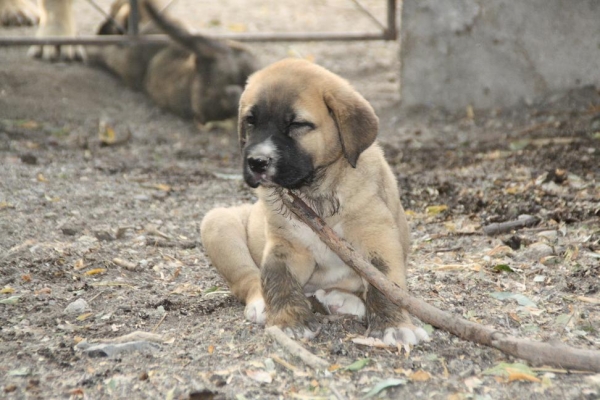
193,77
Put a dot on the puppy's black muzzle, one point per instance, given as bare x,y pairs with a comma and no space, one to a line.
259,165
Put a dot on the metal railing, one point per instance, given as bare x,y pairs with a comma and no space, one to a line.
387,31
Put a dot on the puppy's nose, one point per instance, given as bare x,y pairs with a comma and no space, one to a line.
259,164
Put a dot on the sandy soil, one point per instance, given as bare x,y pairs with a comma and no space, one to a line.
70,205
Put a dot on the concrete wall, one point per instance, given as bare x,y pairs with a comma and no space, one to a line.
493,53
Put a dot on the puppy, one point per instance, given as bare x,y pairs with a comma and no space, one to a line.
304,128
199,78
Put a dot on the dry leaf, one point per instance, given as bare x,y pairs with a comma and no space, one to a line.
472,383
521,376
7,290
334,367
211,349
4,204
106,133
420,376
45,290
29,125
470,112
95,271
434,210
26,278
77,392
79,264
41,178
162,186
259,376
85,316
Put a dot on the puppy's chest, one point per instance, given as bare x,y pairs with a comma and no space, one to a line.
330,271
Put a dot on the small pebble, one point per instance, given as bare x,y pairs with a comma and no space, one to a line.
69,230
550,235
79,306
538,250
29,158
10,388
103,235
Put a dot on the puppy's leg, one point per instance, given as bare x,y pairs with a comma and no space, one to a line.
386,248
18,13
285,270
56,19
225,241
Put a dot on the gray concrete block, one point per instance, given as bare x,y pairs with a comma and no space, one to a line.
494,53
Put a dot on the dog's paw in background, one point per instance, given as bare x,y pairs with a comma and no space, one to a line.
56,19
18,13
255,311
340,302
405,334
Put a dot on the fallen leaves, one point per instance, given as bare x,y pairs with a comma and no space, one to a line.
507,372
521,299
435,210
95,271
10,300
357,365
385,384
259,376
420,376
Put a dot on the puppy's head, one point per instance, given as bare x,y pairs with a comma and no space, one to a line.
296,118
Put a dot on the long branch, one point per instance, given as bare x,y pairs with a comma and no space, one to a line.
561,356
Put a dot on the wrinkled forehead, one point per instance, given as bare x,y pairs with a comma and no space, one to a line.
282,98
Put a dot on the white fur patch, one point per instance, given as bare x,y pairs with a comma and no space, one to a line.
255,312
331,269
338,302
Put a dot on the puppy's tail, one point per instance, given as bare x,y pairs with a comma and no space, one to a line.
202,46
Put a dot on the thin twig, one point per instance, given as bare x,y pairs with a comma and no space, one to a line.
503,227
159,322
296,349
284,363
96,296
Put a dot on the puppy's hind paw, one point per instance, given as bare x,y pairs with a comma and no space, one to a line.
255,312
411,335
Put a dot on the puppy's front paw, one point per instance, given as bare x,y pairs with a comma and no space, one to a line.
405,334
339,302
255,311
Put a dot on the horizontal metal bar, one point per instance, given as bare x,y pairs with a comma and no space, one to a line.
242,37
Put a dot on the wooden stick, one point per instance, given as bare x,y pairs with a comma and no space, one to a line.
503,227
295,349
541,353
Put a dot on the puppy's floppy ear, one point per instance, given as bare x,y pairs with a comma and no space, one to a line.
356,121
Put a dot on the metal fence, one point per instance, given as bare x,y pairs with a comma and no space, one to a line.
386,31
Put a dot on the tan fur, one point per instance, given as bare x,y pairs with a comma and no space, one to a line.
199,78
262,241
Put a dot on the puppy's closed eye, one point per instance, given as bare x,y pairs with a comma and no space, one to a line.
298,128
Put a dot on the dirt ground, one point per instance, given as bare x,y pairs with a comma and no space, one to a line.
70,205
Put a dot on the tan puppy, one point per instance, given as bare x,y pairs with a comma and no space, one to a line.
304,128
